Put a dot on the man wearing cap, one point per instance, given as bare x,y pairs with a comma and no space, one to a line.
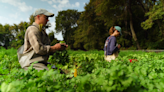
111,48
37,44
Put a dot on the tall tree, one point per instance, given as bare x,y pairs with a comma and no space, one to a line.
91,31
6,35
19,38
52,38
154,15
66,22
113,12
153,24
2,32
131,24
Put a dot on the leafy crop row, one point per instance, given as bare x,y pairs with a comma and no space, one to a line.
94,74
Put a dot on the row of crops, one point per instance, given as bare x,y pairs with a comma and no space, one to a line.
145,73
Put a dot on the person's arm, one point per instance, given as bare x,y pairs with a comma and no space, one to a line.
58,46
34,37
112,45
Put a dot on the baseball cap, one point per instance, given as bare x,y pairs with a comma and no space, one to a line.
118,28
43,11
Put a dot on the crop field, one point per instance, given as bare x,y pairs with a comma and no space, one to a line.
132,71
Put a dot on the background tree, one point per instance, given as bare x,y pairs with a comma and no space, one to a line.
118,13
154,24
66,22
19,38
6,35
141,22
52,38
91,32
31,18
2,32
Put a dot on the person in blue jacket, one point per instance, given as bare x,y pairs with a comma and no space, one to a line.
111,48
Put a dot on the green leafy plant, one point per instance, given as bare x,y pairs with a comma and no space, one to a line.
60,57
94,74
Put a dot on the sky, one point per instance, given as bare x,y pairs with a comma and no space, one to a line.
16,11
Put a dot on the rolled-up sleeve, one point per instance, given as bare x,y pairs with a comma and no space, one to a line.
34,37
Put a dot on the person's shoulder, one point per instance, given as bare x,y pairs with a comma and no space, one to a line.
113,37
34,26
32,29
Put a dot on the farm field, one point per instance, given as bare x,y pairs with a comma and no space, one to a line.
132,71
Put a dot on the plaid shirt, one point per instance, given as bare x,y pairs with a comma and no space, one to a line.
38,41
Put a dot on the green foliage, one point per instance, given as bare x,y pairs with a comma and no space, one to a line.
5,35
94,73
62,41
124,42
110,11
54,42
88,30
52,38
156,13
91,32
66,22
19,38
60,57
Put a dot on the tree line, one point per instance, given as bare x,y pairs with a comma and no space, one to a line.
12,36
141,22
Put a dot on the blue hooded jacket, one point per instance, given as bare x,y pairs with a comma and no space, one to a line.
110,45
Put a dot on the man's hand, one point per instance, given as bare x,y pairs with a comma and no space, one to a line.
58,46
